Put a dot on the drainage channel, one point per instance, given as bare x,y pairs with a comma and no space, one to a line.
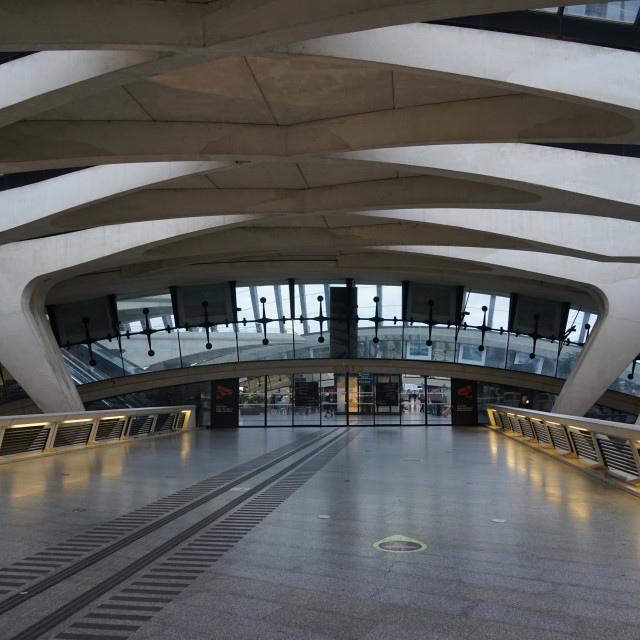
175,565
44,569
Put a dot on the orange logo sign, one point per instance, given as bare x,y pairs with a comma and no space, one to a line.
467,392
223,392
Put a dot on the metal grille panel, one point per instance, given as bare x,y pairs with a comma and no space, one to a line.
109,429
514,424
140,425
540,430
69,435
559,436
165,422
617,455
503,420
24,440
181,419
583,444
525,427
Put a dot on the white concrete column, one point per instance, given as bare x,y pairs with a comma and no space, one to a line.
28,348
615,340
30,351
613,344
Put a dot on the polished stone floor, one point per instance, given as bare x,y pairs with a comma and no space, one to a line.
518,545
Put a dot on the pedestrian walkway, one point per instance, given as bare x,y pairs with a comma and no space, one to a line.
303,533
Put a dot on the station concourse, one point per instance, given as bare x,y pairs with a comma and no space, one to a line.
319,320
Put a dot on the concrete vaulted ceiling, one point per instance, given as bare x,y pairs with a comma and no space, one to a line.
316,140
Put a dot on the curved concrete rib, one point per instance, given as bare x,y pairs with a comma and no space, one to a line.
43,200
600,176
48,79
30,268
578,71
93,24
603,238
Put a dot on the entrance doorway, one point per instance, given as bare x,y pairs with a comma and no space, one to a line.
425,400
344,399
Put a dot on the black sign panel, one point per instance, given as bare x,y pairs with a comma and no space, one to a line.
76,322
464,403
387,394
306,394
343,325
534,316
196,305
226,403
436,303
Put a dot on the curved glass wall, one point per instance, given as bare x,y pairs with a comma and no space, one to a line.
287,321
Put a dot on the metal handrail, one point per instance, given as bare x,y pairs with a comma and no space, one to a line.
599,445
38,434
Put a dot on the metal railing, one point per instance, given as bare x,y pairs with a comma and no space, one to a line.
604,448
48,433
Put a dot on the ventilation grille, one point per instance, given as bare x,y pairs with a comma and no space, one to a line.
617,455
559,436
583,444
514,424
525,427
541,431
140,425
70,435
182,416
164,422
109,429
503,420
24,440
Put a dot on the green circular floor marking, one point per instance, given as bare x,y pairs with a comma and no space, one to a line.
400,544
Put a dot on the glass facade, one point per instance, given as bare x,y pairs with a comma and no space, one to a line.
293,321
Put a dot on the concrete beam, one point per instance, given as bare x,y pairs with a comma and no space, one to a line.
42,201
128,24
580,236
45,80
579,71
516,118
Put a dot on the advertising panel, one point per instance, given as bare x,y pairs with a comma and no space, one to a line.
226,403
464,405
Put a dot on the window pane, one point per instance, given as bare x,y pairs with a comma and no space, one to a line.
622,11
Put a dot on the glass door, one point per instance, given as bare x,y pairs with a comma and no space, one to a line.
438,401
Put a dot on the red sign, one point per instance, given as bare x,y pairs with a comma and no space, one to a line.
466,392
223,392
